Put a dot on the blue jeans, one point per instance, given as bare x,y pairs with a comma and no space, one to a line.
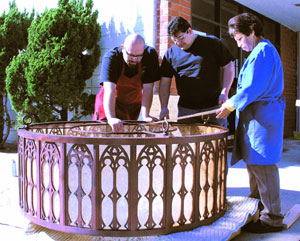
211,118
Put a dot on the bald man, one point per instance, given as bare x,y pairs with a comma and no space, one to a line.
127,76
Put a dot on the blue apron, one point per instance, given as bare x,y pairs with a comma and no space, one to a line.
259,133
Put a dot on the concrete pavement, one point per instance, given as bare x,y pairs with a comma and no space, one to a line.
289,171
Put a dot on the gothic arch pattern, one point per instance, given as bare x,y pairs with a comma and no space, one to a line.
80,163
151,169
207,174
49,169
183,165
30,178
114,163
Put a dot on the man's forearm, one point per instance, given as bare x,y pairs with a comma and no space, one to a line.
147,99
228,76
109,101
164,91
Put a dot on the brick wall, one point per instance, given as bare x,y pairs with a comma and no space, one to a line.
166,11
288,52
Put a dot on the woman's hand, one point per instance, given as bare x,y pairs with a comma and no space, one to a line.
222,113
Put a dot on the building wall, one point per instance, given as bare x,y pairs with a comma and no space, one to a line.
288,47
150,18
117,18
168,9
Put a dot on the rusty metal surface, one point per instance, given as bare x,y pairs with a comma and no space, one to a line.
78,177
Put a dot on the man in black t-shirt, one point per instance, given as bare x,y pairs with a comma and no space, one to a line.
195,61
127,76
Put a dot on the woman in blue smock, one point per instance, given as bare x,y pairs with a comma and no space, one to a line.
259,106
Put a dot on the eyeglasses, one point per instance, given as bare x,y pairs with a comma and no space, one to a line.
134,56
180,38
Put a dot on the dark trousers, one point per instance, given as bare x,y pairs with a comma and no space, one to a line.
264,185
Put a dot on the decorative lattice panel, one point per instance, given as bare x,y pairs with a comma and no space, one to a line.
79,177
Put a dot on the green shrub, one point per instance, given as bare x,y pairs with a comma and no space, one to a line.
13,39
49,78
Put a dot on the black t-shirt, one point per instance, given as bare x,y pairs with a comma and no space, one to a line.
197,71
113,61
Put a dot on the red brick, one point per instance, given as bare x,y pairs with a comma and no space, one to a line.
187,10
288,42
173,13
177,7
185,3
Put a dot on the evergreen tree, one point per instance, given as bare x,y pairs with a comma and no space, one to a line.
49,78
13,39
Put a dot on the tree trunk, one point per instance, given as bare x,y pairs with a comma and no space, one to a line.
2,121
64,114
7,121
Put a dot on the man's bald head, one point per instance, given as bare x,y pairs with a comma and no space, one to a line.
134,39
133,49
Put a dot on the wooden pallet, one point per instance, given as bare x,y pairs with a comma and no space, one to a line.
291,216
250,218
